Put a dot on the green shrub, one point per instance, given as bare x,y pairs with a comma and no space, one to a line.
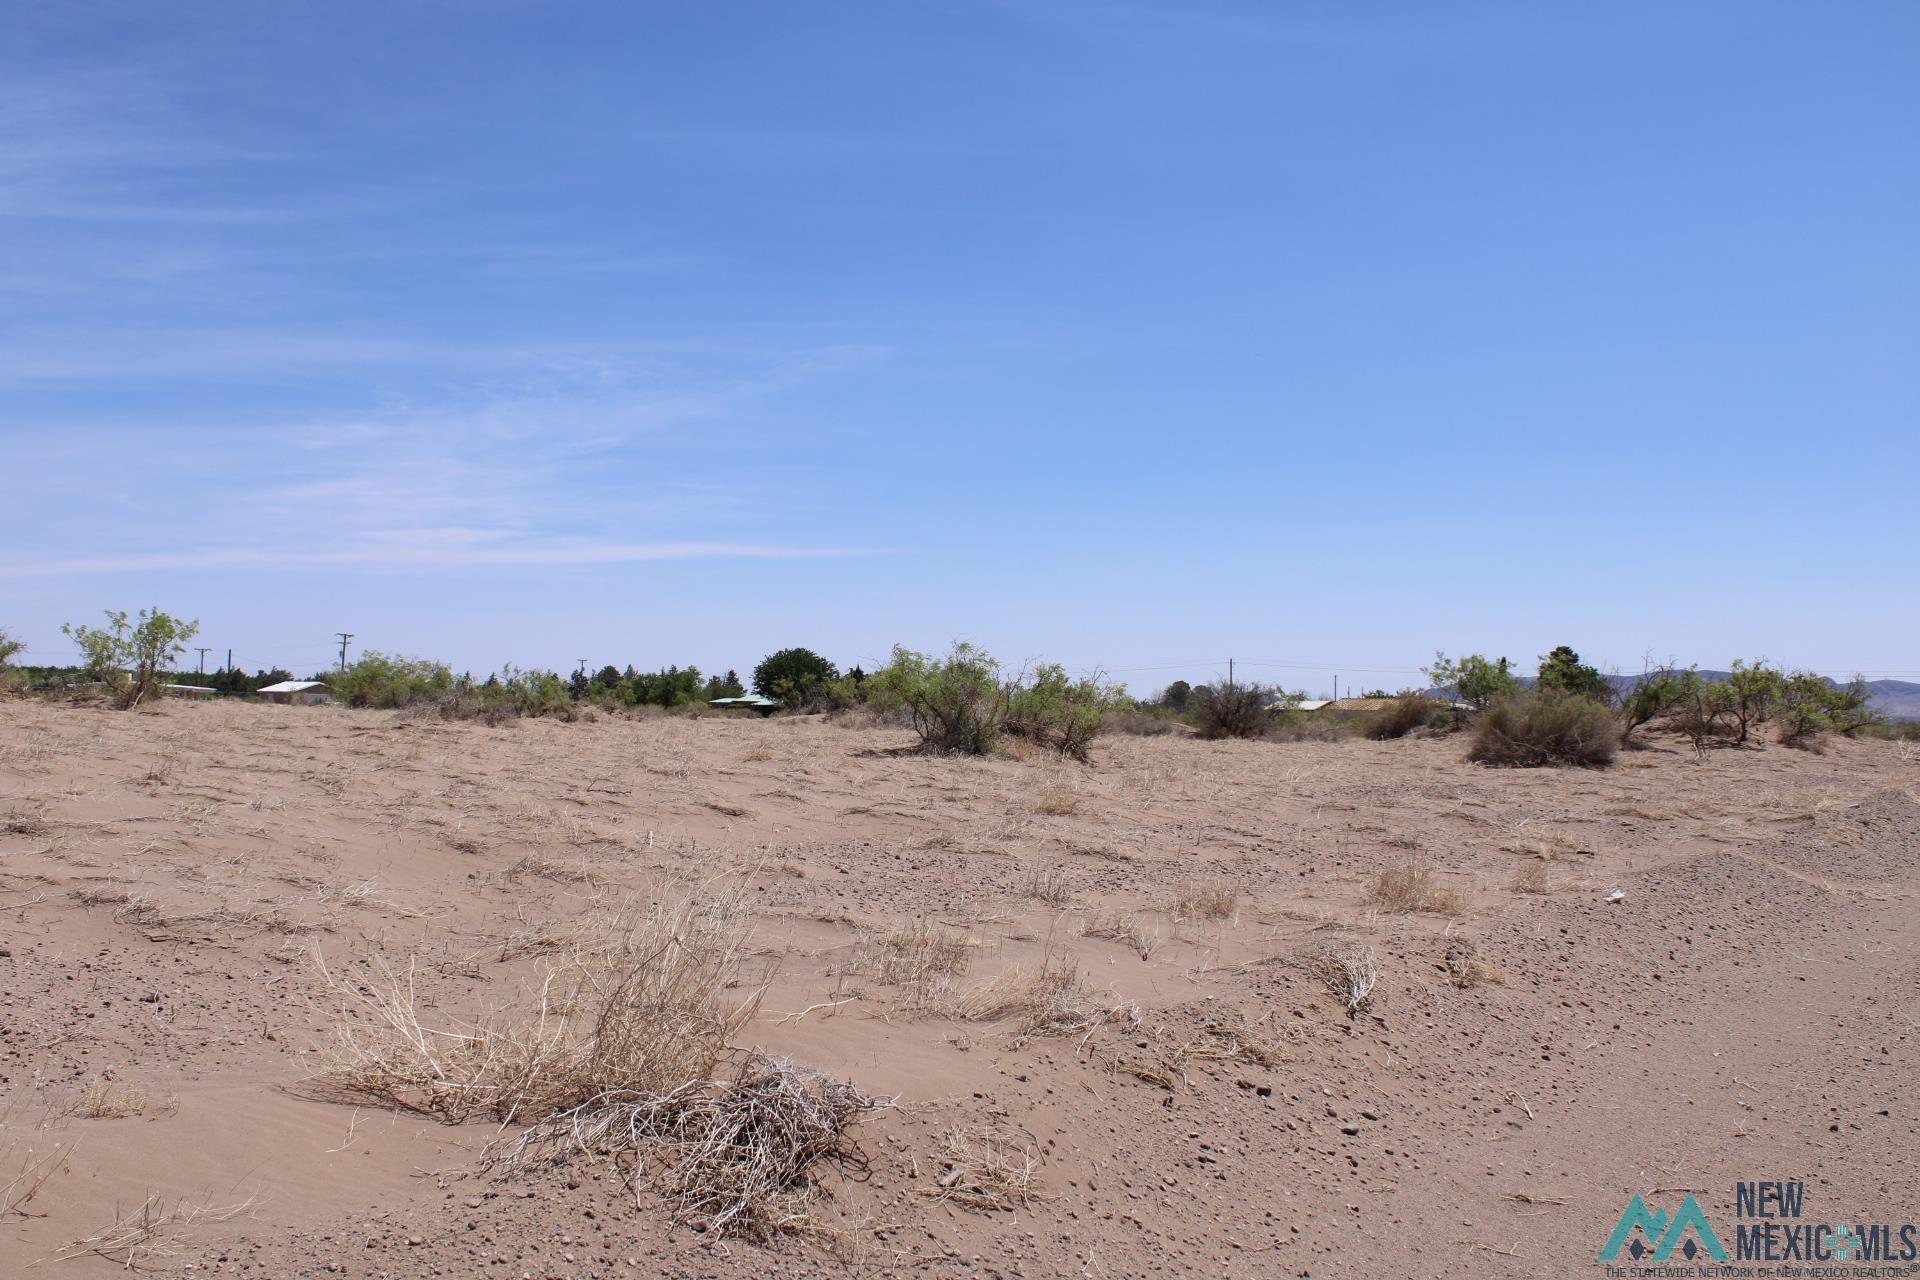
130,656
1562,672
1223,710
1409,711
1747,695
1545,727
381,680
9,678
1474,680
1656,694
1051,708
957,704
1811,706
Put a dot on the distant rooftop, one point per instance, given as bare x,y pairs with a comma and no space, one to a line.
292,686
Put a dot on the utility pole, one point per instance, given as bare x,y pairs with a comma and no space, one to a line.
203,658
1229,673
344,637
583,665
229,660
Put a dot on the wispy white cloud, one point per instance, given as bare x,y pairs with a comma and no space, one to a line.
430,552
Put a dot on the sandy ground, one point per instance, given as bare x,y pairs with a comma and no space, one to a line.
1748,1011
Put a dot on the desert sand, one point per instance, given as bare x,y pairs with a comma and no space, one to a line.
176,885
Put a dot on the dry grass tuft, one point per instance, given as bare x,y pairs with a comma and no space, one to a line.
1408,887
1530,877
104,1100
148,1234
733,1157
921,958
1130,927
37,1168
1206,899
1465,968
985,1171
638,1003
1351,972
1050,884
1056,802
1047,1001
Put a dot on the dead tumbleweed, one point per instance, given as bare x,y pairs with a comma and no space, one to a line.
733,1157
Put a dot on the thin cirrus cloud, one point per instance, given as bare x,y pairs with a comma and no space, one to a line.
428,553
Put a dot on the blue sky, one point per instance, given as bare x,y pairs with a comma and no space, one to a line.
1132,335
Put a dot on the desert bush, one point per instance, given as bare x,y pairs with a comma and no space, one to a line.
9,647
1747,695
377,679
1562,672
1228,710
1534,729
1409,887
1047,706
1655,694
1475,680
1409,711
130,656
1810,706
957,703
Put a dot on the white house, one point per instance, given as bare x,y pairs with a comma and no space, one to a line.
305,692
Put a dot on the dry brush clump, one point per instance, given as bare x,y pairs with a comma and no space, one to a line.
625,1053
1407,888
1049,999
1351,972
920,958
1130,927
1204,898
1409,711
639,1001
1466,968
1540,728
985,1170
734,1157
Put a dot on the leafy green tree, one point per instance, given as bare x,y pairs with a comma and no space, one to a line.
957,703
726,686
378,679
1059,711
1562,671
131,656
1474,680
669,687
1748,694
1177,697
795,677
8,648
1812,706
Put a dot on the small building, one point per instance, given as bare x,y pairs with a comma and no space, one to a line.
305,693
746,702
189,691
1306,704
